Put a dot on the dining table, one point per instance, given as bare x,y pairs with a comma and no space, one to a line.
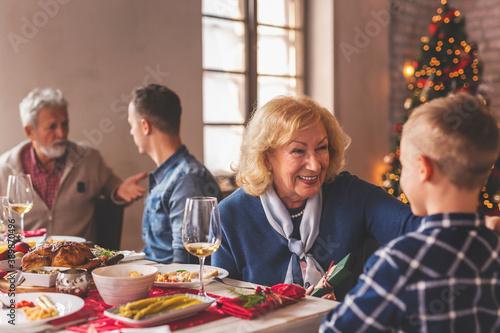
304,315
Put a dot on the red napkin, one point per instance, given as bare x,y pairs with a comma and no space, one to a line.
35,233
281,294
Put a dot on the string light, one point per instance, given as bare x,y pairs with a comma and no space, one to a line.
431,78
408,70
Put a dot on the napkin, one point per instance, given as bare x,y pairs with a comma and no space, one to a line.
35,233
281,294
157,329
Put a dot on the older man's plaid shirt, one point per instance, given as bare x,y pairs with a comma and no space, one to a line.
45,183
442,278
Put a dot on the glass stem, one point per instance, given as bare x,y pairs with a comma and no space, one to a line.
202,282
21,226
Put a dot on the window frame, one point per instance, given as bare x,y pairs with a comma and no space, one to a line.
250,22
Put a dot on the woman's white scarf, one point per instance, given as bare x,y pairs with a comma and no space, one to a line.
279,218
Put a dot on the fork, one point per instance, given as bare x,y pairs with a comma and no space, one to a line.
218,279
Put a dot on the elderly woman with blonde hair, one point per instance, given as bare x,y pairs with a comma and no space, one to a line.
296,212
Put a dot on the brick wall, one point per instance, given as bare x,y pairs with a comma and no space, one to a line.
482,24
409,23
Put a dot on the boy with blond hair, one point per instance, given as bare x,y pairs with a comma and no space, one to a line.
445,276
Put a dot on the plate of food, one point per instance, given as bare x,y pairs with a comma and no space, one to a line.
142,313
185,275
127,255
55,239
36,308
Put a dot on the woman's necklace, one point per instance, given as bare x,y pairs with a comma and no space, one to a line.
293,216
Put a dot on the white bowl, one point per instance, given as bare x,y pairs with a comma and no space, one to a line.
40,276
116,286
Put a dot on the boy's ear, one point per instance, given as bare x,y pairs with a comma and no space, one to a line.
425,169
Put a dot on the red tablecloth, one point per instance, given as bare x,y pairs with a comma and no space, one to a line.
95,306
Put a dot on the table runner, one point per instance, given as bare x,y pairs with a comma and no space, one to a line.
95,306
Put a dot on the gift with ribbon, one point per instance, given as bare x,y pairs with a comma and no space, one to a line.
261,301
334,276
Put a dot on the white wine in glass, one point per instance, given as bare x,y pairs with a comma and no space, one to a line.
201,231
20,196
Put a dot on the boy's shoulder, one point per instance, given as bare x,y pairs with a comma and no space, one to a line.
402,253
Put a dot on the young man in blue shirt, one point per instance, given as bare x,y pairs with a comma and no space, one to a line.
445,276
154,117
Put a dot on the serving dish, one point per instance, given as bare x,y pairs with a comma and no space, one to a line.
43,279
163,317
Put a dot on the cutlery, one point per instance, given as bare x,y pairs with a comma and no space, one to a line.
227,284
19,278
55,328
44,239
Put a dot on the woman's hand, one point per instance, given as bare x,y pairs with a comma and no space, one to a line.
330,296
493,222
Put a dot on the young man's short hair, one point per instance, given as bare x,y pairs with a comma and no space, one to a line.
160,106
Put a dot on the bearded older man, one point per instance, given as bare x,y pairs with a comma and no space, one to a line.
67,177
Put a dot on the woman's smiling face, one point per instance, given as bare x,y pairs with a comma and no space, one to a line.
299,167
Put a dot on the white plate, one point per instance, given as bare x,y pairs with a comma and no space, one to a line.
132,255
190,268
37,239
164,317
65,304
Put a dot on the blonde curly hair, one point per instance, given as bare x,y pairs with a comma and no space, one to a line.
275,124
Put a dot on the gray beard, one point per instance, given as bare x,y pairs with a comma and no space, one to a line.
53,151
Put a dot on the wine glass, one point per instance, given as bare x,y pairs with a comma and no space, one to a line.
201,231
5,216
20,196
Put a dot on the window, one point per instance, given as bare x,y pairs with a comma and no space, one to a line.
252,51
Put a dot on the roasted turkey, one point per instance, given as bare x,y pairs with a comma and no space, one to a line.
62,254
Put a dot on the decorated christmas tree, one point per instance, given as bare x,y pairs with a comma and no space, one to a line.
446,63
